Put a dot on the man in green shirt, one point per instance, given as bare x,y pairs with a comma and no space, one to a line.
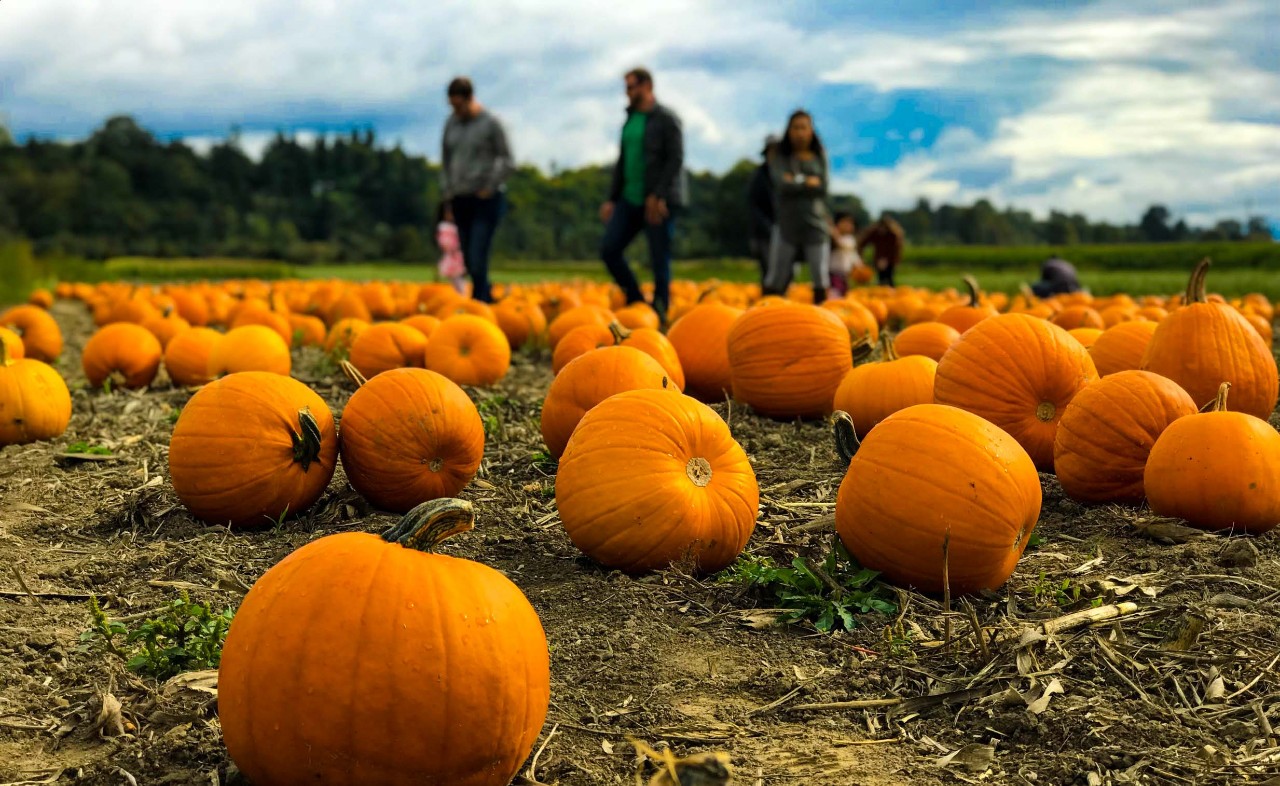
648,187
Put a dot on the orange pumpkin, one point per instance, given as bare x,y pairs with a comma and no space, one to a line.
423,323
1107,432
931,339
454,692
1217,470
1074,317
1019,372
1203,344
252,447
966,316
187,356
41,336
787,361
388,345
342,334
871,392
469,350
588,380
578,315
410,435
698,499
1261,325
636,316
12,344
857,318
521,321
934,489
1120,348
701,341
165,327
34,401
1085,335
42,298
651,342
578,342
127,354
308,331
250,348
262,316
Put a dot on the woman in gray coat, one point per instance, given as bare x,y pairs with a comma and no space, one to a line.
803,226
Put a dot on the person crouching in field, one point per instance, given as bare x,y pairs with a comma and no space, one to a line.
845,262
803,224
1057,277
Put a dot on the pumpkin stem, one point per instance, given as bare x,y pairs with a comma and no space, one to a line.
699,471
846,435
862,348
1195,286
431,523
1045,411
1219,403
707,292
620,333
1027,293
306,444
352,373
974,291
888,353
4,355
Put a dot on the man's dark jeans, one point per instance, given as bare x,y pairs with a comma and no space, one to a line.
623,226
477,220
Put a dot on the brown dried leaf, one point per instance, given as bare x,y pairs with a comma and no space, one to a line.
974,757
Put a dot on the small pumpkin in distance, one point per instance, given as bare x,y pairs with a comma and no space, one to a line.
963,317
250,348
450,647
701,341
126,354
41,336
470,350
342,334
698,499
588,380
930,339
252,447
578,342
187,356
1217,470
871,392
387,345
12,344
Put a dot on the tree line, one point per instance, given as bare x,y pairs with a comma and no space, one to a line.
124,192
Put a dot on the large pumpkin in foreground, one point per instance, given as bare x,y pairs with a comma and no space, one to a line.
361,660
1107,433
929,476
1219,470
252,447
410,435
1019,372
651,477
786,361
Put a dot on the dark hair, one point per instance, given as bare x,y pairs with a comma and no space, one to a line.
784,146
461,87
641,75
841,215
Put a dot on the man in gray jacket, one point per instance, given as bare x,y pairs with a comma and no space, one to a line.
475,163
648,187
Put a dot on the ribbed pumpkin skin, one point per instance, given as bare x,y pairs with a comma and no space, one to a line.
787,361
651,342
34,401
125,349
250,348
12,344
1019,372
701,341
231,457
356,662
578,342
573,317
1120,348
873,391
470,350
410,435
521,321
41,336
1108,431
929,470
930,339
387,345
587,381
187,356
343,334
1217,470
630,498
1202,345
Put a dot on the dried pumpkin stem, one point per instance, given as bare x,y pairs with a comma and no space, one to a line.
431,523
620,333
352,373
306,442
1195,285
862,348
846,435
975,293
1219,403
4,354
1045,411
699,471
1028,293
887,352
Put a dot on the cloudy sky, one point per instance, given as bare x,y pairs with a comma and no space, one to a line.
1100,107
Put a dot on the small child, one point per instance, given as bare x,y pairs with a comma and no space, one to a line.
844,252
452,266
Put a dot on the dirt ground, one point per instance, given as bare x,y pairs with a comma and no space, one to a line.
1182,688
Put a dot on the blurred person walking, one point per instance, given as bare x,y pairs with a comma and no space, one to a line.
887,238
799,173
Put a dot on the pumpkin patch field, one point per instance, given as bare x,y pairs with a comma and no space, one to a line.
317,531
